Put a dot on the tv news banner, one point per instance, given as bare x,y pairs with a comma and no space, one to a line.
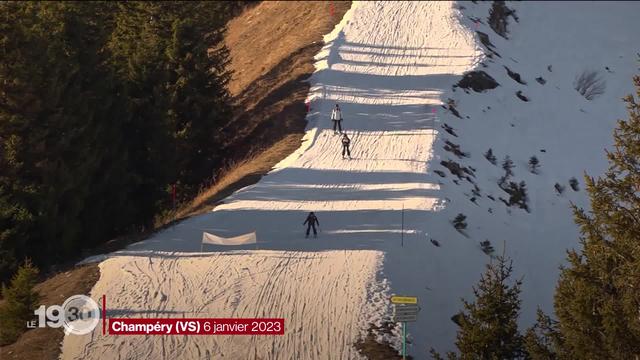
80,314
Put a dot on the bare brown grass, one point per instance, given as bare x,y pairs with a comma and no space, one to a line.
271,50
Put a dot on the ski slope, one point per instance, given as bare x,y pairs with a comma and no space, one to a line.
390,65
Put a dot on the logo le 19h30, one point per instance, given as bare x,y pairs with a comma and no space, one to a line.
79,315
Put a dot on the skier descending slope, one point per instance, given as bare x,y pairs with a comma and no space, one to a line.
345,145
311,222
336,117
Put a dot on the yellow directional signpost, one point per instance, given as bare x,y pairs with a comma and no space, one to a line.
404,300
405,309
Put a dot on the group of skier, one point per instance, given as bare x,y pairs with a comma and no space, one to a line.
336,117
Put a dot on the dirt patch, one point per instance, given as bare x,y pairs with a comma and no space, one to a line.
272,46
375,350
44,343
478,81
271,50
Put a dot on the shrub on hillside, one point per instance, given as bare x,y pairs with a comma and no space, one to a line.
498,17
489,156
517,195
455,149
20,300
573,182
589,84
487,248
507,166
478,81
534,164
515,76
521,96
459,222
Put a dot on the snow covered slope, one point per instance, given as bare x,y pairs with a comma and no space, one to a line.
391,65
556,41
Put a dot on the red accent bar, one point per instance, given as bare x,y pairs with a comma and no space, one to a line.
195,326
104,314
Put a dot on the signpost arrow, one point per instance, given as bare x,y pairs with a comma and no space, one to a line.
405,313
406,306
405,318
404,300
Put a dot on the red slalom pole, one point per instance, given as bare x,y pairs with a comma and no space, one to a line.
104,314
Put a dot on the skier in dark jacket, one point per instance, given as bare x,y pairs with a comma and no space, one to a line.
345,145
311,222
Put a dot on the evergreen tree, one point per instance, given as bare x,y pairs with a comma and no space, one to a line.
597,298
57,97
517,194
103,106
488,326
507,166
197,98
20,300
543,339
489,156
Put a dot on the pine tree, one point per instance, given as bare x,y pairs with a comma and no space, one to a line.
58,96
197,98
489,156
488,327
534,164
507,166
597,299
103,105
543,339
20,300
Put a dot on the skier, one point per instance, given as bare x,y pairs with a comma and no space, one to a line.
336,117
311,222
345,145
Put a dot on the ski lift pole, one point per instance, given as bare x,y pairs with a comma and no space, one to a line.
402,229
404,340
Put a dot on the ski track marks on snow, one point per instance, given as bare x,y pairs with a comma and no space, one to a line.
311,290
